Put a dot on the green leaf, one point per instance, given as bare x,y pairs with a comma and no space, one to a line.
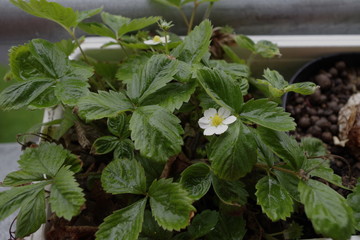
46,99
158,71
104,104
230,192
283,146
353,200
222,88
195,45
289,182
275,79
229,227
21,177
267,49
137,24
203,223
233,153
123,224
232,55
313,147
245,42
88,13
69,91
170,204
196,179
97,29
171,3
172,96
22,94
294,231
113,21
152,168
156,132
124,176
265,155
304,88
53,60
105,144
119,125
328,211
66,197
131,66
274,200
45,159
234,69
124,149
53,11
31,215
68,46
152,230
16,197
268,114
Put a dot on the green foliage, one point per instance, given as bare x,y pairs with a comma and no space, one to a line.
196,179
170,204
123,224
267,114
152,230
195,45
230,192
155,126
124,176
233,153
229,227
104,104
329,212
203,223
224,90
274,200
353,200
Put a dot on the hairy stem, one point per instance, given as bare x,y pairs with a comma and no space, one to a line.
193,13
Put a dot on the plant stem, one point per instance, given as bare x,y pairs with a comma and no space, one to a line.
265,166
208,10
184,16
123,48
72,33
193,13
166,43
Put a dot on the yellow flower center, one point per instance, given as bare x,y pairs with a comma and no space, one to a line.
216,120
157,38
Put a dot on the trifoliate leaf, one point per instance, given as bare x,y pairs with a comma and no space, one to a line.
230,192
353,200
22,94
274,200
268,114
66,197
267,49
123,224
47,159
221,87
172,96
124,176
195,45
283,146
328,211
46,99
229,227
158,71
105,144
203,223
104,104
31,215
196,179
170,204
233,153
152,230
16,197
156,132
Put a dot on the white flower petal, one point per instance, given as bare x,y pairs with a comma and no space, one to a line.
151,42
210,131
204,120
223,112
210,112
221,129
204,125
163,39
229,120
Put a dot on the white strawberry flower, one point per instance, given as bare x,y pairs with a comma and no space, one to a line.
157,40
216,122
